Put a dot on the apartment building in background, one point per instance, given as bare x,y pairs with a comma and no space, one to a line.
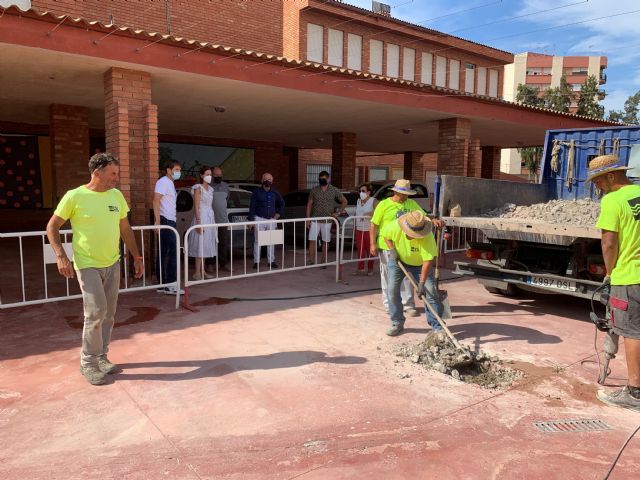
543,72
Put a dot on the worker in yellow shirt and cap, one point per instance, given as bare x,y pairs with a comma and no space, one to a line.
410,241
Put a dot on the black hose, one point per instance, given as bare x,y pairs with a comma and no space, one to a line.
241,299
624,445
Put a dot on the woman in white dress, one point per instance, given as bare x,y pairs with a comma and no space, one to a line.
364,208
203,242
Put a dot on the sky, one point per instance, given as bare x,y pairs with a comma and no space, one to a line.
554,27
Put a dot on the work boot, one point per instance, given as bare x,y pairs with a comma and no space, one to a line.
395,330
94,375
106,366
620,398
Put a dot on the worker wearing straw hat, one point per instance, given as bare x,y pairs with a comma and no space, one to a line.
410,241
385,213
620,224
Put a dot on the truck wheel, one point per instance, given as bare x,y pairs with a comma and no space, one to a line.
493,290
510,291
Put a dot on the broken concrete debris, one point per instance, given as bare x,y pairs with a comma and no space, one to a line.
437,353
583,212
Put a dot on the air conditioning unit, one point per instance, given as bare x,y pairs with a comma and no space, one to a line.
381,8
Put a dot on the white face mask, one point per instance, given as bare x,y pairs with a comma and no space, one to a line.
363,195
207,178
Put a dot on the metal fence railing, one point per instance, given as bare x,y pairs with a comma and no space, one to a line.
357,251
287,240
30,275
460,237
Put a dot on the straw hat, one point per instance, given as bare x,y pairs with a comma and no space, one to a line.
415,224
604,164
403,186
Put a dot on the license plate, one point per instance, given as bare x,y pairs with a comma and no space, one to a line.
239,218
552,283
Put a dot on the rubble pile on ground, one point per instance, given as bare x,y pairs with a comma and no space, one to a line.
437,353
583,212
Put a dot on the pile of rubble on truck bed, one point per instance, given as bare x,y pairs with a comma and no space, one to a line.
583,212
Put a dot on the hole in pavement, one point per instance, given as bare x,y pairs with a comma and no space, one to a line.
438,354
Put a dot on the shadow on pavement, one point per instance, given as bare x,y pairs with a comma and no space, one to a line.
501,333
222,366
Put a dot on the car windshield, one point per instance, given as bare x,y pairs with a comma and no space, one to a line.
239,199
352,197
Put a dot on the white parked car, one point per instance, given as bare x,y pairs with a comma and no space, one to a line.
238,205
382,190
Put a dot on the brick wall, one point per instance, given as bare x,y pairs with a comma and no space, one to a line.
69,130
472,54
344,159
131,130
490,162
271,158
453,146
254,24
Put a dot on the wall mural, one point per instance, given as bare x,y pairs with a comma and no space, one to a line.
20,182
236,163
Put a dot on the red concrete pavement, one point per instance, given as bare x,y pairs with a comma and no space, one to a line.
305,388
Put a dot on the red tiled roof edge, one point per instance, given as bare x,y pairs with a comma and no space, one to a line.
183,42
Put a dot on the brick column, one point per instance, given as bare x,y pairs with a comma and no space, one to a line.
413,166
490,162
69,131
343,160
293,156
270,158
131,131
453,146
474,161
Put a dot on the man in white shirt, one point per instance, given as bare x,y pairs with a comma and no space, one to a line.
164,213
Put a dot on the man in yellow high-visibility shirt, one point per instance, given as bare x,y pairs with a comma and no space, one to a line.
620,224
98,215
385,213
410,241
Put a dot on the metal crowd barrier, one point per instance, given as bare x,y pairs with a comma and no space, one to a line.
36,255
460,238
288,237
348,234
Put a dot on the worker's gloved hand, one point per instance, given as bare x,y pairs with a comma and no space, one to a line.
605,290
422,290
392,255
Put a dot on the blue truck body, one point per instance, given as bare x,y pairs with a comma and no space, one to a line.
587,145
523,254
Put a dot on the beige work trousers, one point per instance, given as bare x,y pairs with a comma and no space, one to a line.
99,297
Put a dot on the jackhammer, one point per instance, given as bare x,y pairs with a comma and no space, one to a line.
610,346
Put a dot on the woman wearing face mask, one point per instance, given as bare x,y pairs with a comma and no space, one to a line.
364,208
203,242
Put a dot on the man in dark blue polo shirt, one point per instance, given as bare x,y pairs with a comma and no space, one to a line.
266,204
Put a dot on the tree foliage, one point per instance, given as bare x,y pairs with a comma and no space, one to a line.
630,112
588,104
559,98
529,95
